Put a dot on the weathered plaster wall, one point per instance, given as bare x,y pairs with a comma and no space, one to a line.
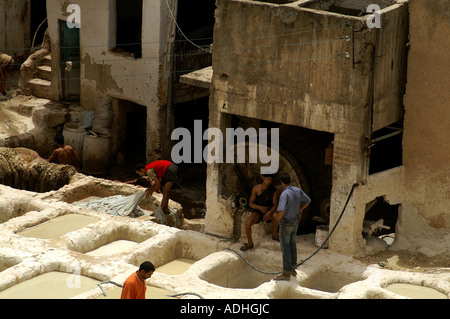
426,144
143,81
15,27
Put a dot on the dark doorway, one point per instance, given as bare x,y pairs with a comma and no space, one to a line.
192,193
132,132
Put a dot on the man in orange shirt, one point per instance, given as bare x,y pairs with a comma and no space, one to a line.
134,287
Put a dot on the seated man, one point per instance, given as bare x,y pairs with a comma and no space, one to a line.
264,201
164,174
64,154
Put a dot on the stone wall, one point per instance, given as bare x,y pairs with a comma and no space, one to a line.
310,68
426,139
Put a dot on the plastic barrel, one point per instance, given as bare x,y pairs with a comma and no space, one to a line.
74,136
96,154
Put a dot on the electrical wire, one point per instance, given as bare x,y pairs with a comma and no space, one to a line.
235,66
217,39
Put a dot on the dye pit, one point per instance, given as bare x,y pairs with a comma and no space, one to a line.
51,248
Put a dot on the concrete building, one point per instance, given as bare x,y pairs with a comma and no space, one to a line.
121,60
319,72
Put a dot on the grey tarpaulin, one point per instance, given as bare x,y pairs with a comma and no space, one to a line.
118,205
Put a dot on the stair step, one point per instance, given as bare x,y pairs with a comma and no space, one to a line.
40,82
47,60
45,72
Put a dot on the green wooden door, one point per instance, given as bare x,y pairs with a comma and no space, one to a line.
70,61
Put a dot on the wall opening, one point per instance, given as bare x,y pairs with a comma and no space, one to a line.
380,220
129,28
386,151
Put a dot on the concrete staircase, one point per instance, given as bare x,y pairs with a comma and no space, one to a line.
41,84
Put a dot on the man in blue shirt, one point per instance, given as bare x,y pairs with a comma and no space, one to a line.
292,201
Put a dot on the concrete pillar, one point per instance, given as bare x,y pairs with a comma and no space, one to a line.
218,220
348,168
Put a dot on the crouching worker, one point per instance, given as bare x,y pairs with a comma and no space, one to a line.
64,154
165,175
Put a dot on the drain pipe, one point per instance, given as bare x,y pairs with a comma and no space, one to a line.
369,123
317,250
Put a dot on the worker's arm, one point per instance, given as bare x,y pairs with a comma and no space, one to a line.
271,211
155,185
165,199
280,215
53,156
131,182
304,206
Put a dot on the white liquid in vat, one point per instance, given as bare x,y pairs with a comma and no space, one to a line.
58,226
51,285
415,291
176,266
115,247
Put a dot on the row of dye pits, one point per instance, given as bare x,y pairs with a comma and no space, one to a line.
90,247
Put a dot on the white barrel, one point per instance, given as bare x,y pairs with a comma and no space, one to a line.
321,235
74,136
96,154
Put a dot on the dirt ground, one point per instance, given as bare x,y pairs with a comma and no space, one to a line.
409,261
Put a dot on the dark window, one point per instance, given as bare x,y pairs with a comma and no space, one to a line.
386,150
129,28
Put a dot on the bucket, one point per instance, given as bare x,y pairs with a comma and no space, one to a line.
321,235
74,136
96,154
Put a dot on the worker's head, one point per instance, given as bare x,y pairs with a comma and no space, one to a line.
267,178
140,169
142,181
146,270
285,179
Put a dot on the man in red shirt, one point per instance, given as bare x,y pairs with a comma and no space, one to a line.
163,175
134,287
